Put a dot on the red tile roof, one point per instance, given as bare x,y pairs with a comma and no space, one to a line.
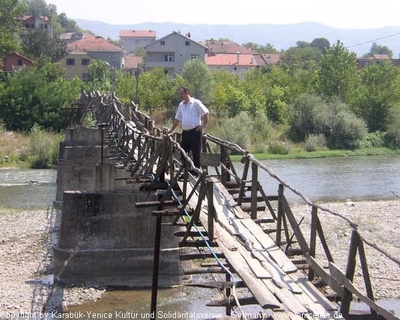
233,60
131,61
138,33
44,18
217,46
97,44
272,58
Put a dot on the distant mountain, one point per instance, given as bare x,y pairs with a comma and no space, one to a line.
280,36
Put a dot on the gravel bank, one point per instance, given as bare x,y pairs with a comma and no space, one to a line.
378,222
26,256
26,265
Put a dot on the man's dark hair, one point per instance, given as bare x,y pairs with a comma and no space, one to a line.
184,89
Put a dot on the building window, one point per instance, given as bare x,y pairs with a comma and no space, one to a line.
85,77
235,68
19,62
70,62
165,71
194,56
162,42
85,61
169,58
187,43
32,26
45,26
27,26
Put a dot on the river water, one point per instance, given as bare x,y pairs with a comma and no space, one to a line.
338,179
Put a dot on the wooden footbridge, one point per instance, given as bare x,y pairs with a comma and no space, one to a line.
231,225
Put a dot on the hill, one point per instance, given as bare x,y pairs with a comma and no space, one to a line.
280,36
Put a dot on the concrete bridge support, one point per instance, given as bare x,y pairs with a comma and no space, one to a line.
104,239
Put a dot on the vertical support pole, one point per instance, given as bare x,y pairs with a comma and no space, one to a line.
102,144
156,265
278,239
313,239
367,279
228,309
351,266
254,189
243,182
224,173
211,209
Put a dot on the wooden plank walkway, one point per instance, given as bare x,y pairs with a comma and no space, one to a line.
269,274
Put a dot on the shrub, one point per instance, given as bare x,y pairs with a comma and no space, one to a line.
393,130
44,147
314,142
237,130
278,148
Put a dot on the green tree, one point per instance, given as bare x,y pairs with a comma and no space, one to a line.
339,74
378,49
10,25
379,92
38,43
322,44
267,48
198,79
301,57
101,76
37,8
38,95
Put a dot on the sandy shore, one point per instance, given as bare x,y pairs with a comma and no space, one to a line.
26,259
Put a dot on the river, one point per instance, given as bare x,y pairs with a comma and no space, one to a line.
338,179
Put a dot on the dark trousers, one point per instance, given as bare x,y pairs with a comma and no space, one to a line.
191,141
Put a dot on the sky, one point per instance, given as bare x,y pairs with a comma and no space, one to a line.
342,14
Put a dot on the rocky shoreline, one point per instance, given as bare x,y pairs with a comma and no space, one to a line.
26,266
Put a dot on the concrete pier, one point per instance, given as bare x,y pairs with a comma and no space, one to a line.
104,239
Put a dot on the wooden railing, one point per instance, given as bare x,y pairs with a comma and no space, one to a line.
153,155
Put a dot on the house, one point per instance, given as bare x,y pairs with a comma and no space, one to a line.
15,61
132,39
234,63
172,51
376,58
133,64
69,37
272,58
220,46
76,64
32,23
100,49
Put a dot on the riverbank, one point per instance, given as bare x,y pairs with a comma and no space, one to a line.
26,263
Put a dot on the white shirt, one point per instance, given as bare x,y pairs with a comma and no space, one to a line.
190,114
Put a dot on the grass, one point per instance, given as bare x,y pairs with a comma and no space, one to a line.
36,149
14,149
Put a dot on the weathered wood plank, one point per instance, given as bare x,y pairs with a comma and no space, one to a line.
326,277
266,241
342,279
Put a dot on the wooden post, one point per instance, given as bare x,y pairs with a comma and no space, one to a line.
211,209
278,239
243,182
313,239
367,279
224,173
351,266
156,265
228,309
254,185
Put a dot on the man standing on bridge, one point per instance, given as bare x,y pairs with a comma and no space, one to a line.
190,113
